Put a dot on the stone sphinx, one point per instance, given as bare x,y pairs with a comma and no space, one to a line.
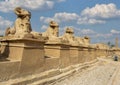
69,36
80,40
22,26
52,33
83,41
86,40
101,46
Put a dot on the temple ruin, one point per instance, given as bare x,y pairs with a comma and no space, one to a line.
27,56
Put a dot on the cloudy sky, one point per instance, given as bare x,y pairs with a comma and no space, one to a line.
99,19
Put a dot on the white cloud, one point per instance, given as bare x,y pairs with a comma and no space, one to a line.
60,17
102,11
98,14
95,15
46,19
8,5
1,32
91,33
44,27
108,35
115,31
4,24
86,20
63,17
87,31
61,0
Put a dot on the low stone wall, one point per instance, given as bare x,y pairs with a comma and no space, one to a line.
9,69
64,55
29,57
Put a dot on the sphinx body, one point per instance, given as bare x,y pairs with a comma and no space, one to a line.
69,37
52,32
22,26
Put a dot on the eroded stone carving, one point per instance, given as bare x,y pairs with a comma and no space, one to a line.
80,40
101,46
52,32
69,36
86,40
22,24
83,41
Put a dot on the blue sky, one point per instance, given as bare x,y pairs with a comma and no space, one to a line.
98,19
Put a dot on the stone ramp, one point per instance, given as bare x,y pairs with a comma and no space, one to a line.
65,73
48,76
105,73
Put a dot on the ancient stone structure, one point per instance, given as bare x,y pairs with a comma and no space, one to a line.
69,36
22,26
27,57
52,32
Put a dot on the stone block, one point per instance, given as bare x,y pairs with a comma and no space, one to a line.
52,50
9,69
81,56
52,63
74,53
64,56
30,53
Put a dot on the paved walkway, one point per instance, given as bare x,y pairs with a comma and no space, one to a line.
105,73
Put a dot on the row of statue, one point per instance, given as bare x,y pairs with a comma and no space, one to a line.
22,29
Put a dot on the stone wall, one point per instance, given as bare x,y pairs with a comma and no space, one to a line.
31,56
24,52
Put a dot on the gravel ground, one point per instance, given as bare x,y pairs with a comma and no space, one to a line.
117,78
100,75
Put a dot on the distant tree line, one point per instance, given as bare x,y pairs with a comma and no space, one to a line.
110,44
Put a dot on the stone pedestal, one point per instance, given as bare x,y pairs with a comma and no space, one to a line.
81,55
64,55
52,50
58,54
52,56
101,53
97,53
85,54
74,53
80,50
92,55
30,53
